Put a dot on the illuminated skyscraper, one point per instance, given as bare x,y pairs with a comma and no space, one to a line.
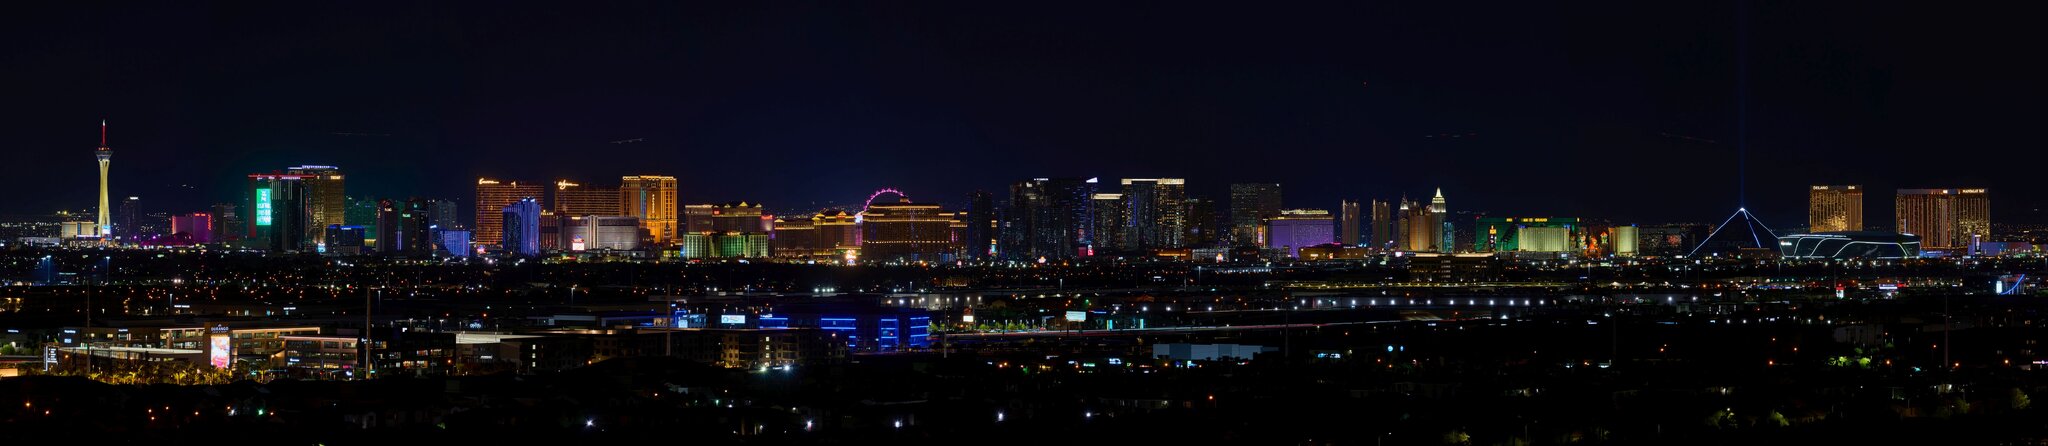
325,198
1294,229
576,200
227,222
1835,209
280,210
441,214
697,218
1157,212
1422,227
979,234
602,233
1347,228
1204,227
1051,216
198,226
1625,240
794,237
1945,219
1382,225
838,230
905,231
740,217
1437,221
1110,218
653,199
126,228
1250,205
492,196
404,228
521,225
362,211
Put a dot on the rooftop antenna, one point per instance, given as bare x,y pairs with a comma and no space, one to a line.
1749,221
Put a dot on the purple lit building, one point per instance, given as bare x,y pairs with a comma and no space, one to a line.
1294,229
198,226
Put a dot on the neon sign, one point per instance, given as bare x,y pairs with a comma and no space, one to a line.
263,207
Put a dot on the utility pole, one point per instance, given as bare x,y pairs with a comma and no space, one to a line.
85,335
369,359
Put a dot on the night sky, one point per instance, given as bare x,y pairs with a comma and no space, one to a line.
1622,110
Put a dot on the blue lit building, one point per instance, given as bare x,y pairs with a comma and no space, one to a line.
453,242
522,228
861,327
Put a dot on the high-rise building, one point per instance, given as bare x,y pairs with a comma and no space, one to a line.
978,236
1250,205
126,228
838,230
521,227
1499,234
1545,239
1110,216
362,211
1382,236
1834,208
576,200
343,240
441,214
1945,219
325,197
794,237
551,236
227,222
104,226
1051,216
653,199
454,242
281,207
1438,210
492,196
197,226
697,217
731,230
1294,229
1156,212
741,217
1204,228
1347,227
905,231
405,228
1423,228
602,233
1625,240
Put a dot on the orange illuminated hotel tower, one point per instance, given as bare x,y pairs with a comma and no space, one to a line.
105,154
491,198
1834,209
653,199
1945,219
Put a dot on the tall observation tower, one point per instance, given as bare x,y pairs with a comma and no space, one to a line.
105,225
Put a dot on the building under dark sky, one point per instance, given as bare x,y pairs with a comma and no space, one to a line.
1626,110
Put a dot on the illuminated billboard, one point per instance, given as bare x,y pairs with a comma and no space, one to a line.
263,207
1077,316
221,350
732,319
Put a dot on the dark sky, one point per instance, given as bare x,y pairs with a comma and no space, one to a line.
1624,110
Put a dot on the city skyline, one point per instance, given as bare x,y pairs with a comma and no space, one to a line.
1374,222
1366,94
